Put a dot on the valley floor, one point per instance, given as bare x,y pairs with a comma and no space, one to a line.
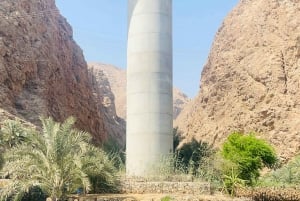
159,197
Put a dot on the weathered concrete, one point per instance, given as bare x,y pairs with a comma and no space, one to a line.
149,84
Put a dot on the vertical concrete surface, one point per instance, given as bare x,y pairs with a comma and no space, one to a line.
149,85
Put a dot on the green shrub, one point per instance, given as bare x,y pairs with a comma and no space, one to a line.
249,154
192,154
287,175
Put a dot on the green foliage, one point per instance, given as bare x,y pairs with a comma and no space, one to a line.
189,162
58,160
232,181
12,133
249,154
116,153
34,194
287,175
213,168
101,171
164,170
192,154
1,160
166,198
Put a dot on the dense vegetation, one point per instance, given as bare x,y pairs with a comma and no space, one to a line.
249,154
237,164
287,175
58,160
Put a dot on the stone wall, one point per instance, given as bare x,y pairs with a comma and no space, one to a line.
144,187
165,187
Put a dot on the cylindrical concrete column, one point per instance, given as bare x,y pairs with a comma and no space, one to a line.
149,85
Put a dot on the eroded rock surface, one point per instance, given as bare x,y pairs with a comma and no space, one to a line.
42,70
102,91
251,81
117,80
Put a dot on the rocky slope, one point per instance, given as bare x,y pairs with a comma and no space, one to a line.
102,91
117,80
42,70
251,81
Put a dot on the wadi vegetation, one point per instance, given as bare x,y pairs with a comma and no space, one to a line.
59,160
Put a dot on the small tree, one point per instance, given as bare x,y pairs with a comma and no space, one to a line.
249,154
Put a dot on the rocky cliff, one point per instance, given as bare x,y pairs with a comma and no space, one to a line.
42,70
251,81
117,80
116,126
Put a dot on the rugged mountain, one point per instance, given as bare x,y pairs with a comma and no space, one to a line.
42,70
180,100
251,81
115,125
117,80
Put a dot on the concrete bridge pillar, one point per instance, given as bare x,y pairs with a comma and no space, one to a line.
149,85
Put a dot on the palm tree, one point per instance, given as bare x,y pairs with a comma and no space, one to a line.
58,160
11,134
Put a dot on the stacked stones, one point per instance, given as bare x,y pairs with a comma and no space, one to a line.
165,187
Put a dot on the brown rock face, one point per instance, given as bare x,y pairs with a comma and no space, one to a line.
115,125
251,81
42,70
180,100
117,80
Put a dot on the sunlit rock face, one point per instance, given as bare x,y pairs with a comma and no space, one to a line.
117,82
42,70
102,90
251,81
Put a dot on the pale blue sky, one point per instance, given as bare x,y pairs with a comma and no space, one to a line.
100,29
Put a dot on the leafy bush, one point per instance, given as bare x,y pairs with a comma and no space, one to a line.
249,154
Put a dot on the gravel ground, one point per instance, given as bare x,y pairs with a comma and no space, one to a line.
158,197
